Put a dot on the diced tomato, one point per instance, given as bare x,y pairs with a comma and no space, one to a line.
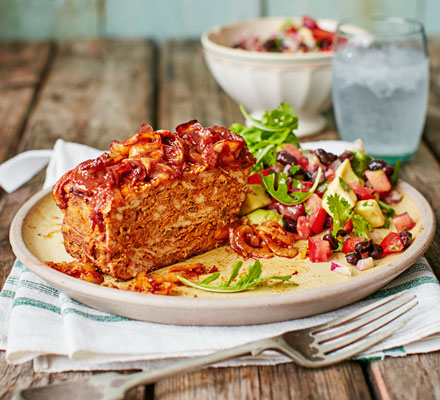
330,175
392,243
294,151
298,154
254,179
321,190
403,222
316,213
362,192
290,30
319,249
350,244
290,212
321,34
309,22
348,227
379,181
303,228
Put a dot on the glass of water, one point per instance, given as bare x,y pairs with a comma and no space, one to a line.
380,84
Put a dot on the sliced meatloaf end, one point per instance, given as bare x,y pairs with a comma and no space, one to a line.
155,199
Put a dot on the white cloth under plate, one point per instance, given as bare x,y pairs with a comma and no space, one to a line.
39,323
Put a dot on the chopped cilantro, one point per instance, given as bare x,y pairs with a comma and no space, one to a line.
340,211
361,227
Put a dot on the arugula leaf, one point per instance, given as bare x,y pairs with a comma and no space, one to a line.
263,137
276,185
340,210
388,210
395,175
252,278
361,227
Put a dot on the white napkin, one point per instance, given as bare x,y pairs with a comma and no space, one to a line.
37,322
65,155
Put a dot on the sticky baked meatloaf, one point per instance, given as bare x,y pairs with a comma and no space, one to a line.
155,199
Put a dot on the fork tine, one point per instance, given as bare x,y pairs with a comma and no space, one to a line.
361,345
371,327
372,316
338,321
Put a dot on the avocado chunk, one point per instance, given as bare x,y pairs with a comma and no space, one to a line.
346,172
370,210
257,199
257,217
336,187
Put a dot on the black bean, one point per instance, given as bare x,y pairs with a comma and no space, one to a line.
341,232
289,225
406,238
353,257
376,251
345,155
324,157
270,45
334,244
308,175
363,246
300,174
388,170
284,158
328,221
376,164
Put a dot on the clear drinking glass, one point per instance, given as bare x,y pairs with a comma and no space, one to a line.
380,84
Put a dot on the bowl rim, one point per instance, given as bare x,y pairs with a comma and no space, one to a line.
211,47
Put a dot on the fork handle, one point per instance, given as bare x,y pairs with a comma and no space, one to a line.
139,378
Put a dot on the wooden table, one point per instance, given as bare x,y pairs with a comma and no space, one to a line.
93,92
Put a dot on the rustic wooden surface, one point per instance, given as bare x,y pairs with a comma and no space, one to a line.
96,91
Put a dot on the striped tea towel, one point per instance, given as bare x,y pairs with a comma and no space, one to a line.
59,334
39,323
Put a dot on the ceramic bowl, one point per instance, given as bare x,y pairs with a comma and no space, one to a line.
260,81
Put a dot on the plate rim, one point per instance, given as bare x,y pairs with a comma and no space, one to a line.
161,303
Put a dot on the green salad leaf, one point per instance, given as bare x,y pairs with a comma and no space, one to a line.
340,211
360,162
264,137
389,211
276,185
252,278
395,175
361,227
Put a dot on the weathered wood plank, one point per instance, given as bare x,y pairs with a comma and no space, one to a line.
12,379
96,91
423,172
411,377
21,70
432,129
286,381
188,91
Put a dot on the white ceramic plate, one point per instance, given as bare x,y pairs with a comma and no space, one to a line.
206,311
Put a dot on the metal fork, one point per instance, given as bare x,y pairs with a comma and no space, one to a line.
318,346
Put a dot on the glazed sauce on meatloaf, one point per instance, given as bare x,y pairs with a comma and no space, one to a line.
149,158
